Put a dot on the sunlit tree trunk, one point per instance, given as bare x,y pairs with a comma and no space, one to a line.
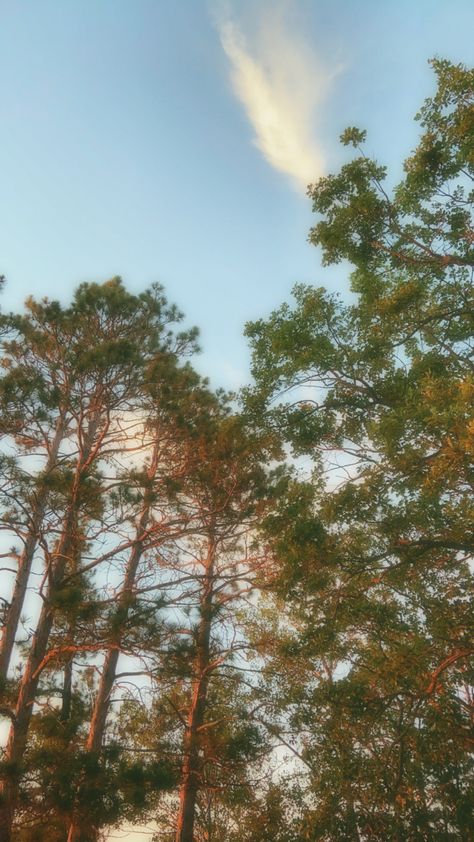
81,828
191,768
16,744
13,613
66,702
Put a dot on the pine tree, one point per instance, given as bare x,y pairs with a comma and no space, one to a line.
97,354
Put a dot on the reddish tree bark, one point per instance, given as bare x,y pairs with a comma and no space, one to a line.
17,739
81,828
13,613
191,766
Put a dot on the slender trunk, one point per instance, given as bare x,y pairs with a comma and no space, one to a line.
66,702
81,828
191,769
102,700
16,745
12,619
69,640
74,834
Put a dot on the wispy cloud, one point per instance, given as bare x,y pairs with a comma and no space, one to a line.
281,83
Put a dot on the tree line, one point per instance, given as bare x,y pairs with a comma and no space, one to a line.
195,632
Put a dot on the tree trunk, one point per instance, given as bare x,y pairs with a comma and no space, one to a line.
66,702
19,729
13,613
81,828
191,769
16,745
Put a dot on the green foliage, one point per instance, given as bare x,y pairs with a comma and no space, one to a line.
377,574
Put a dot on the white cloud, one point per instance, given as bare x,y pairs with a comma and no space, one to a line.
281,84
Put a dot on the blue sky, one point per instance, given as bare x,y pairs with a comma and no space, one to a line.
171,141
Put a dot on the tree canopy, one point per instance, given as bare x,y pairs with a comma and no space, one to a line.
378,560
253,620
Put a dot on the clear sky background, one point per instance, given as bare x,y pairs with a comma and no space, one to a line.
172,140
